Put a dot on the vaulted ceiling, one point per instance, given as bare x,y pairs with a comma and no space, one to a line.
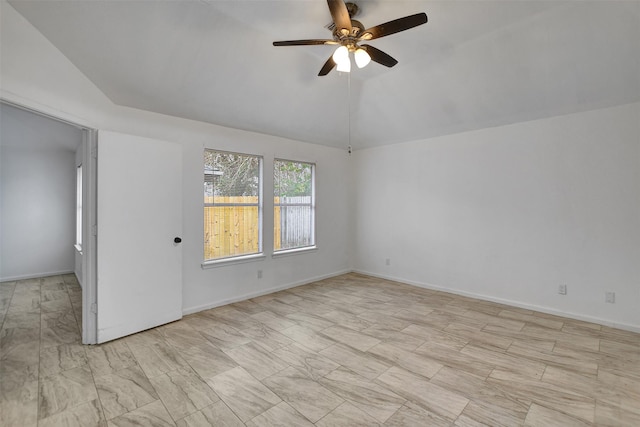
475,64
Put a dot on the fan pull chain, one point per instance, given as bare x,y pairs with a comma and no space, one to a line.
349,110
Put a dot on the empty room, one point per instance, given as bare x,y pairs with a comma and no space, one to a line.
319,213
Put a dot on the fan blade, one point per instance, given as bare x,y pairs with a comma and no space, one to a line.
394,26
304,42
379,56
340,16
328,66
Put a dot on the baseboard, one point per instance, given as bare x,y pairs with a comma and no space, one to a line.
541,309
35,275
191,310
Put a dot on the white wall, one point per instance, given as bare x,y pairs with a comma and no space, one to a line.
36,74
227,283
504,213
509,213
37,196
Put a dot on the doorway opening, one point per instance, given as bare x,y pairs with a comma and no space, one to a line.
30,136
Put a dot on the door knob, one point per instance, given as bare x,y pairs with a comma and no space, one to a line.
177,240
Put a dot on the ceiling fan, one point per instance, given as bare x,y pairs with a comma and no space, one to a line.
347,33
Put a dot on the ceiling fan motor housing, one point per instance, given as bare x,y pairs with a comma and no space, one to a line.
353,9
356,29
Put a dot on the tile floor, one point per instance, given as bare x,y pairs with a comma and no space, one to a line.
347,351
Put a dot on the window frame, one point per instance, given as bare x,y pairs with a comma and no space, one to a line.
245,257
313,245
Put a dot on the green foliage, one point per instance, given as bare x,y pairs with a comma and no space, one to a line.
292,179
232,174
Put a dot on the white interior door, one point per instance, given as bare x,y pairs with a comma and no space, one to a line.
139,216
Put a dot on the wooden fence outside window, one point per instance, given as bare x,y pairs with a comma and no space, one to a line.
233,228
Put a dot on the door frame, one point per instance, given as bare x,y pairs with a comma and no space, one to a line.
89,219
89,236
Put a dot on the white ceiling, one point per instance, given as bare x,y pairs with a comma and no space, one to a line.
475,64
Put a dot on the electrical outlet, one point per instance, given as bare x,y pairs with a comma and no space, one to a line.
259,274
562,289
387,261
610,297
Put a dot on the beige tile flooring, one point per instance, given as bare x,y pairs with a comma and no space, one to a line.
347,351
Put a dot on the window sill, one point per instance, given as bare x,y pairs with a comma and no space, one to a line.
233,260
296,251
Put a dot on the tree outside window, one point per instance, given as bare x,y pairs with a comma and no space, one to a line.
294,205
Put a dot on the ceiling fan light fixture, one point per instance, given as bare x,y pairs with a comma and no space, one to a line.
362,57
341,54
344,66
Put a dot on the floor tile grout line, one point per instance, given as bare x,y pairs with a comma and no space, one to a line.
204,380
505,351
159,397
93,379
40,377
4,317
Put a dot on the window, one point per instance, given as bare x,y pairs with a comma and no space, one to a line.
294,205
232,205
79,208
